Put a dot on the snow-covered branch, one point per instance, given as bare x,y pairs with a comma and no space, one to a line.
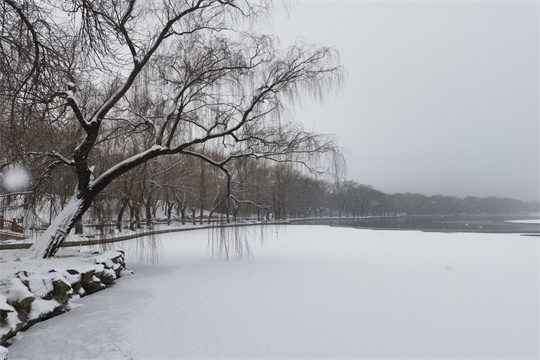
54,155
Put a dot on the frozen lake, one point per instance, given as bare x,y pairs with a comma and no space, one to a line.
309,291
438,223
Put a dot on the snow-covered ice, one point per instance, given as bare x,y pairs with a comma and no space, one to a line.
531,221
310,291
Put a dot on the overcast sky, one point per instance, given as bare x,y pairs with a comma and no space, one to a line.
440,97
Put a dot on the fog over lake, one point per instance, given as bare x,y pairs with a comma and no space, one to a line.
440,97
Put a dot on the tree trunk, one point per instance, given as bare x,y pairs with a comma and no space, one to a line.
121,214
131,217
49,242
170,206
148,208
183,212
138,216
79,228
201,216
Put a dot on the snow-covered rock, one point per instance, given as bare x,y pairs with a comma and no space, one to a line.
3,353
45,288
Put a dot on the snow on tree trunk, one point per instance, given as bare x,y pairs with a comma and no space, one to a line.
50,241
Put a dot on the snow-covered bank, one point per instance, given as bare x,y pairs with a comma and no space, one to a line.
309,291
35,290
91,238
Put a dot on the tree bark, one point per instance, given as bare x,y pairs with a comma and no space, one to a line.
131,217
121,214
169,206
79,228
148,208
201,216
138,216
183,213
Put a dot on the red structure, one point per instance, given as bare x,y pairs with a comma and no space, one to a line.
13,227
16,228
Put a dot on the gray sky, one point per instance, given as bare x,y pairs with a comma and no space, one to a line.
440,97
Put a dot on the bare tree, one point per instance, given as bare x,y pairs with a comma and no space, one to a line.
172,76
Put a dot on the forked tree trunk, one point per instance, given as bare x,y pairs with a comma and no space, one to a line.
49,242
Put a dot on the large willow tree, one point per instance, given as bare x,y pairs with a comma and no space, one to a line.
174,77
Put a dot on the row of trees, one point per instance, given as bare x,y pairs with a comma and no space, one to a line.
350,198
190,190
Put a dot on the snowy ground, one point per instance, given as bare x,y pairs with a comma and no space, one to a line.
532,221
311,291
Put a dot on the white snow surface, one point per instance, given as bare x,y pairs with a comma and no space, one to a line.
13,261
307,292
531,221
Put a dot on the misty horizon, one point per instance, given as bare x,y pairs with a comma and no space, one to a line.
440,97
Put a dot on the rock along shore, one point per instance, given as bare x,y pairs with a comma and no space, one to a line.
47,288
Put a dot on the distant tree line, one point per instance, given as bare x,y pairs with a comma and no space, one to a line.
350,198
191,191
